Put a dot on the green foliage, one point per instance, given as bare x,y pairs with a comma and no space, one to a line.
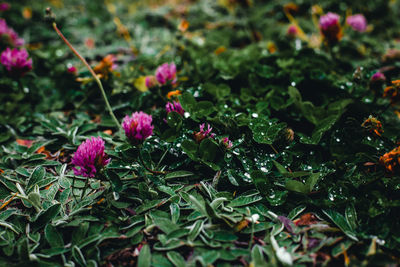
301,180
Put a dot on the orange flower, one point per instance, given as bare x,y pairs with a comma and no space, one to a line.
183,25
220,50
393,92
105,66
173,93
373,125
391,160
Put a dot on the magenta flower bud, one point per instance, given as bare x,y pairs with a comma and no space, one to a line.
203,134
330,27
16,61
138,127
90,157
292,30
166,72
378,77
151,81
4,6
174,106
357,22
71,69
227,143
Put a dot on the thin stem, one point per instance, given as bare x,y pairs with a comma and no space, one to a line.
91,72
147,168
162,157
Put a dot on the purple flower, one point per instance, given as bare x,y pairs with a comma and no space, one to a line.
90,157
16,61
166,72
138,127
329,20
10,35
330,27
292,30
357,22
378,77
151,81
174,106
227,143
199,136
4,6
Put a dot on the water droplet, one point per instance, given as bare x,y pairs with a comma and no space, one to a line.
293,84
380,241
263,169
59,53
254,115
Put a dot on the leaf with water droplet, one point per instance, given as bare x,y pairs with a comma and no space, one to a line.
265,131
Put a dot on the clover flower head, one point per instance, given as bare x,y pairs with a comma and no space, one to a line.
16,61
166,72
227,143
292,30
10,36
151,81
71,68
378,77
174,106
138,127
328,20
90,157
203,134
357,22
4,6
330,27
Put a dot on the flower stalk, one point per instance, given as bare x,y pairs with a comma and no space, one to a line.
100,85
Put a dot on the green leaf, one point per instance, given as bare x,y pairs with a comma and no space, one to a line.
195,230
265,131
78,255
176,259
208,150
187,101
115,180
257,257
46,217
190,148
144,259
174,120
245,200
305,188
37,175
341,222
34,197
175,212
178,174
53,237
